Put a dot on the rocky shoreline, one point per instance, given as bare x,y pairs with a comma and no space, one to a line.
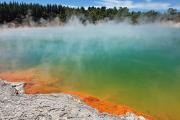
15,105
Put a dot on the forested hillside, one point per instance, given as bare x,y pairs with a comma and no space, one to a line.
19,12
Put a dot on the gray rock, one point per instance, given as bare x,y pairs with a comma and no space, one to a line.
14,105
18,86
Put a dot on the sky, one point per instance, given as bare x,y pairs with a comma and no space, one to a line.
132,4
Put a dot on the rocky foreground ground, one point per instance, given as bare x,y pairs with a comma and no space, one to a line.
15,105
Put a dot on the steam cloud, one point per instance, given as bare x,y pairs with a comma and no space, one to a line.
79,40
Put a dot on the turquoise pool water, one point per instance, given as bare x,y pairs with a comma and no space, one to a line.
134,65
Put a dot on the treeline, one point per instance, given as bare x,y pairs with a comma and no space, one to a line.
19,13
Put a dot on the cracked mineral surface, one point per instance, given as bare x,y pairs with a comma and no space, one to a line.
15,105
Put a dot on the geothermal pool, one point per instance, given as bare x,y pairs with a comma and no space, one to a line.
138,66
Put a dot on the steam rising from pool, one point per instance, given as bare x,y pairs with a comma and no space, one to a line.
134,65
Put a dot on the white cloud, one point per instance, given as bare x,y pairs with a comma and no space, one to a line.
147,4
148,0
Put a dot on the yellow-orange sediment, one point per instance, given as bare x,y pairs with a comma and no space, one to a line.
36,84
105,106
